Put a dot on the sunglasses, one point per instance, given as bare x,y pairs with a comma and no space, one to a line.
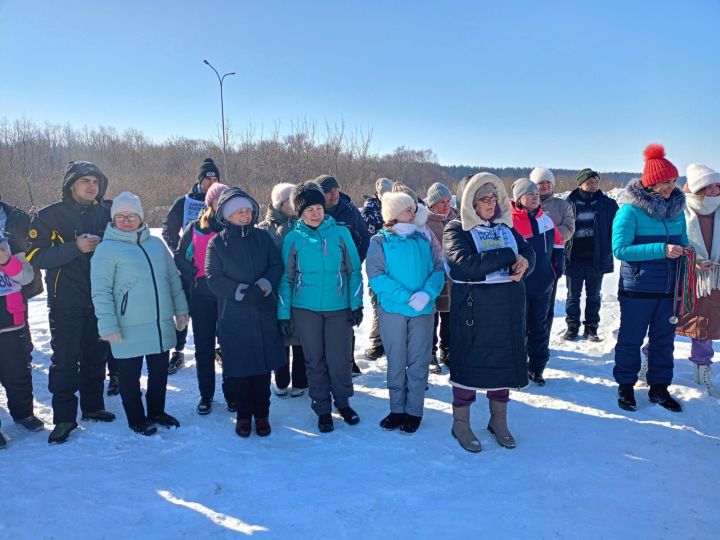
487,199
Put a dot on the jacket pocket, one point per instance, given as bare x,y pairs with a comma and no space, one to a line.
124,303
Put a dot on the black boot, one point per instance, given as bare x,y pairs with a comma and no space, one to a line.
356,370
61,432
325,423
659,394
435,367
373,353
349,415
411,424
392,421
31,423
218,356
591,334
571,333
113,385
144,428
177,361
537,378
165,420
98,416
626,397
204,407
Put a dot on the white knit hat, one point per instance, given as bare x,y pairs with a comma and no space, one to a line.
542,174
394,204
280,193
127,202
700,176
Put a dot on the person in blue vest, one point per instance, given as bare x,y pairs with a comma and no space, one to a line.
140,304
649,236
184,210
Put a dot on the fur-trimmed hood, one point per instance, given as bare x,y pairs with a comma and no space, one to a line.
653,203
469,217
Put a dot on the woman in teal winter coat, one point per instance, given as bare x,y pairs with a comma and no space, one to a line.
649,236
139,303
407,277
321,300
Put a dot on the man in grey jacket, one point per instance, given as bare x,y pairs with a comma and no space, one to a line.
560,211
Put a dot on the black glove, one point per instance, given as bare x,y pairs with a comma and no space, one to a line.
357,316
253,294
286,328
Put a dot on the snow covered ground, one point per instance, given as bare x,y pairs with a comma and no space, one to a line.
583,467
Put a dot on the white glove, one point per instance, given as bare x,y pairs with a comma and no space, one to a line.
115,337
181,322
419,300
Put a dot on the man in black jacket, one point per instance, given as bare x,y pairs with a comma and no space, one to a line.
588,253
184,210
62,239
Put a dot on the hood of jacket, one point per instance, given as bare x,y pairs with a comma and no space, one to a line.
469,217
653,203
276,216
342,206
86,168
113,233
232,193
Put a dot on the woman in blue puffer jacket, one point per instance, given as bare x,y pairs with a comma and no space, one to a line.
407,277
649,237
139,303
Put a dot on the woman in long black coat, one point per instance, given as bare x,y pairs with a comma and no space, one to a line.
243,268
487,261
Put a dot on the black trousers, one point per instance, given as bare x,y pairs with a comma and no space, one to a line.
16,373
204,313
252,395
77,364
299,374
551,307
538,332
130,370
442,319
112,364
592,279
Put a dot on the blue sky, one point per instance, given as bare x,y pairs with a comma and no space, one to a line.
563,84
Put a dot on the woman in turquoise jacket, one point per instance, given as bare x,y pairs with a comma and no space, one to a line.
320,298
407,277
649,237
139,303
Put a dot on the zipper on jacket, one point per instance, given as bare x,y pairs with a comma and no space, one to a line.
157,298
57,278
123,304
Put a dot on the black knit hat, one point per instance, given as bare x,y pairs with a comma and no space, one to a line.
327,182
586,174
307,194
208,168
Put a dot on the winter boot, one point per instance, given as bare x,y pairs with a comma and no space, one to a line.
356,370
411,424
243,427
703,376
642,374
498,424
659,394
262,426
61,432
626,397
31,423
3,442
177,361
297,392
144,428
591,335
392,421
231,406
571,333
444,355
435,367
204,407
165,420
537,378
98,416
113,385
282,392
218,356
375,353
461,429
325,423
349,415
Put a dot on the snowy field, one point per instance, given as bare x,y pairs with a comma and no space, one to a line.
583,467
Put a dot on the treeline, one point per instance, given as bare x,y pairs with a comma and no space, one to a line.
565,178
33,158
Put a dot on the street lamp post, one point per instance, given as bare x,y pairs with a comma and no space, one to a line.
221,79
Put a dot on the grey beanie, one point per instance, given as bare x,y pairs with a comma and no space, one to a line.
521,186
234,204
436,193
383,186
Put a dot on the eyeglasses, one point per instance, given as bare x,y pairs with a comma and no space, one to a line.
132,218
487,199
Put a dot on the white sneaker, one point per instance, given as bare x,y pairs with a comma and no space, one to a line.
703,376
297,392
281,392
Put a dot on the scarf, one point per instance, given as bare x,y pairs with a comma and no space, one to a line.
707,280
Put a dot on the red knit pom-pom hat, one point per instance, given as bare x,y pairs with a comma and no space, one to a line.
657,168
